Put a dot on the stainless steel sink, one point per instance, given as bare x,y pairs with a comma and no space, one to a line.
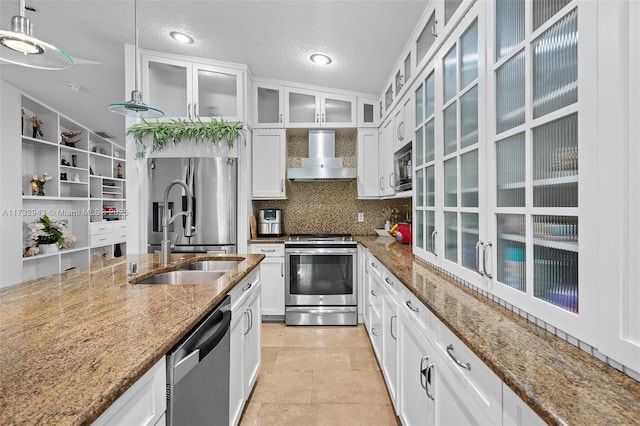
183,277
211,265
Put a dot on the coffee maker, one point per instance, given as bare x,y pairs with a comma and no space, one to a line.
270,223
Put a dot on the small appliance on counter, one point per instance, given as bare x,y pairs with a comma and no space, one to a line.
405,232
270,223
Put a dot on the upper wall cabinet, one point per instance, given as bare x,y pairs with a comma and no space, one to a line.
190,90
268,104
368,112
308,108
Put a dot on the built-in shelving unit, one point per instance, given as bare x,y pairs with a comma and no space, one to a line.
87,187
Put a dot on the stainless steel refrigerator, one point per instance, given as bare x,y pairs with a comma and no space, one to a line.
213,182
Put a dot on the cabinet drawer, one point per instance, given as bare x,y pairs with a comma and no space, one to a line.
101,239
374,266
391,283
100,228
241,291
119,226
375,297
269,250
481,383
416,310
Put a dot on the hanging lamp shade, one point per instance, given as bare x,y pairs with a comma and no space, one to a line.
135,107
19,47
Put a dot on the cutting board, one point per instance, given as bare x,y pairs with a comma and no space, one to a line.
253,226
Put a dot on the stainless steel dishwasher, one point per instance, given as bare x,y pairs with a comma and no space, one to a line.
198,372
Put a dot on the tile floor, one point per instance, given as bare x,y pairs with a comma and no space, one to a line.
318,376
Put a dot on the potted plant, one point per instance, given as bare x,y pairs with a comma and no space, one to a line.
49,235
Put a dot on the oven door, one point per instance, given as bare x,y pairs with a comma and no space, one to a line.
320,276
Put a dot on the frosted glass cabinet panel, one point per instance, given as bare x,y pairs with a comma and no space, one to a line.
510,93
168,86
510,171
302,108
217,94
509,26
268,106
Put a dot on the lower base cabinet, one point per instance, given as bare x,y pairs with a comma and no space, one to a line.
144,403
271,278
245,343
432,377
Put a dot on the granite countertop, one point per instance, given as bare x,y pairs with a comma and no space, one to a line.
559,381
72,343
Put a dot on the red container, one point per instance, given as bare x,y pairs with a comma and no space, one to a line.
405,233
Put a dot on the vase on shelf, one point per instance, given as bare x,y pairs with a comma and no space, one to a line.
40,192
48,248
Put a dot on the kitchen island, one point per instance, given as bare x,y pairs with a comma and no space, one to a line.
72,343
560,382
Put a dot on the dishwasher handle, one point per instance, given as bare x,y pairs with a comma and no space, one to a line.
215,338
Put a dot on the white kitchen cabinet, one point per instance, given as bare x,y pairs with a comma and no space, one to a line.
269,164
368,113
310,109
429,392
385,159
367,169
541,246
188,90
272,278
515,412
618,199
144,403
268,104
404,122
389,331
244,343
373,301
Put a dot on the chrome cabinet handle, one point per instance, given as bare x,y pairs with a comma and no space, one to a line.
429,394
250,318
373,293
247,314
282,185
281,118
478,245
195,110
391,326
484,260
433,242
282,269
386,279
453,357
373,331
323,120
267,250
410,306
189,110
247,287
374,265
423,372
392,174
382,183
317,117
433,28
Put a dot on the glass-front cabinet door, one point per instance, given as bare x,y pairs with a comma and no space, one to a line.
449,195
217,92
536,147
167,85
268,104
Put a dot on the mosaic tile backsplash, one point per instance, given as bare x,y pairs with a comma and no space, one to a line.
323,207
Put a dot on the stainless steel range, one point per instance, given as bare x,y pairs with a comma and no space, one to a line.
320,279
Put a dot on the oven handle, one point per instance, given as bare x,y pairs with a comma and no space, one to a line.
322,251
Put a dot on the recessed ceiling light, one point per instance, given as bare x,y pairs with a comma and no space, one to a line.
320,59
181,37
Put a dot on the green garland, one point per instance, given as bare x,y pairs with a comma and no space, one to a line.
177,130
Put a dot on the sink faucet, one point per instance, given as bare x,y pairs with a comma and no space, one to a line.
165,245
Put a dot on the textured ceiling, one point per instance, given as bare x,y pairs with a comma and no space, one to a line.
275,38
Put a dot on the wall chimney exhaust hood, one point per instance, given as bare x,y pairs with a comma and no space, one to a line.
322,163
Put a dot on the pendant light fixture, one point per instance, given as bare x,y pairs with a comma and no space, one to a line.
19,47
136,107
